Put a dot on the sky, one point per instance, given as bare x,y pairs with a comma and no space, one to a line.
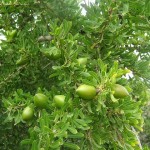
87,2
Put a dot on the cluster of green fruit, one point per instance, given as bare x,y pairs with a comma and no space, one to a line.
40,101
84,91
89,92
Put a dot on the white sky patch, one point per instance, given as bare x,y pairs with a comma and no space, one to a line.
2,37
129,75
87,2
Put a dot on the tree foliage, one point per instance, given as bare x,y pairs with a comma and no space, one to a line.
45,43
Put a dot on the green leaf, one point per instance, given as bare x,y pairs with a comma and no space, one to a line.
56,144
63,131
113,98
26,142
89,107
17,118
77,135
71,146
125,9
34,145
72,130
54,75
82,122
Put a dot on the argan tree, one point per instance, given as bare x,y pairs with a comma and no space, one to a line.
73,81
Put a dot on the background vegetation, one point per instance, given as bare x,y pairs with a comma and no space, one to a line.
114,38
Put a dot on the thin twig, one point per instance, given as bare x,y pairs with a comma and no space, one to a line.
10,76
139,143
46,66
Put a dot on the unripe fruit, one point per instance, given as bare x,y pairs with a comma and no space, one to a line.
27,113
86,91
40,100
59,100
120,91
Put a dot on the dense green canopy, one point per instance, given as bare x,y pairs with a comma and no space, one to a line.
44,41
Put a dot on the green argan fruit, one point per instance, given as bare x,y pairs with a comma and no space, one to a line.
27,113
59,100
86,91
40,100
120,91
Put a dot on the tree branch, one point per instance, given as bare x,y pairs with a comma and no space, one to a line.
45,38
139,143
